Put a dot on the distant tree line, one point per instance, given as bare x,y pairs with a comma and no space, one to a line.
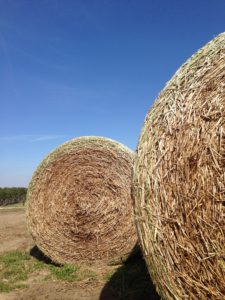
12,195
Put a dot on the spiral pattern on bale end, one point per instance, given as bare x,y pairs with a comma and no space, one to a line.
179,181
79,205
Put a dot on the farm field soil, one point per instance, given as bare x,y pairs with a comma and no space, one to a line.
13,232
100,282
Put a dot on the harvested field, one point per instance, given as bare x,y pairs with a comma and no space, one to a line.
179,180
13,232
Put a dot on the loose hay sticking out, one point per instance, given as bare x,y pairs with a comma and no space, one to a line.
179,179
79,202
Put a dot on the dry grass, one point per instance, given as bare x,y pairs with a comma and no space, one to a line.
79,202
179,180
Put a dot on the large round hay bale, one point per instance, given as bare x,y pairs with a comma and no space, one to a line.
179,178
79,204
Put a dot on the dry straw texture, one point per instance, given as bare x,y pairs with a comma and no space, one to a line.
79,204
179,178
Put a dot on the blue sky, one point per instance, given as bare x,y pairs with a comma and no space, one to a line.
70,68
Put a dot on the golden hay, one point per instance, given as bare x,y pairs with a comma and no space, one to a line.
179,180
79,202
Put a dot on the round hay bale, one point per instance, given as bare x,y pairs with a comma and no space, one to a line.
179,180
79,204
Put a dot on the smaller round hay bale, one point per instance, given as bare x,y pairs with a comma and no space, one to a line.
179,180
79,205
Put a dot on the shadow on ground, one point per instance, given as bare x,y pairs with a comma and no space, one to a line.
39,255
131,281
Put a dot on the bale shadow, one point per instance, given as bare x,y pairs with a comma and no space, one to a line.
131,281
39,255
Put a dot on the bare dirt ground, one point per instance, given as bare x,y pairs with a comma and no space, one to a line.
56,291
14,236
13,232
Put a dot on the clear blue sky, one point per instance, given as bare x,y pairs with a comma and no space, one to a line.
70,68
